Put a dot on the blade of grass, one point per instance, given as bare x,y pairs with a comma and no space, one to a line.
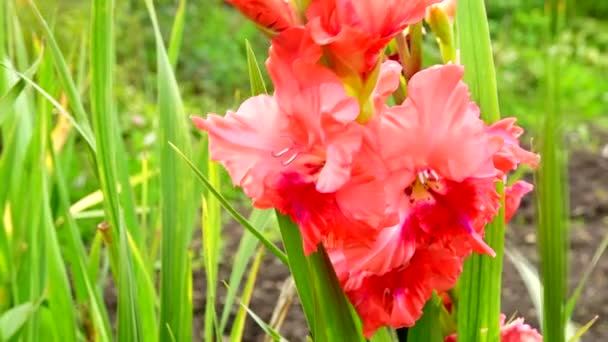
235,214
66,79
552,191
247,245
265,327
176,205
256,80
58,289
15,318
9,98
80,266
238,326
530,276
177,33
580,332
428,328
87,137
480,283
211,229
55,278
105,125
571,304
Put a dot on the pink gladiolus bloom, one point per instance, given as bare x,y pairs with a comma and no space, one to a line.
276,15
441,157
301,151
355,32
514,331
442,174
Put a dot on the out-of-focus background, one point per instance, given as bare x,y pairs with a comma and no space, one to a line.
212,74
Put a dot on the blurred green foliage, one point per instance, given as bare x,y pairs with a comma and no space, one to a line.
519,30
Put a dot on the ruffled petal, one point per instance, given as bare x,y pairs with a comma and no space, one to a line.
445,133
246,145
511,154
397,297
513,196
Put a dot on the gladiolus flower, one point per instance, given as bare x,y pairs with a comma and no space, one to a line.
441,156
301,151
442,174
514,331
355,32
276,15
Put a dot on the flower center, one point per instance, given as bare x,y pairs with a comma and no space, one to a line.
425,186
300,157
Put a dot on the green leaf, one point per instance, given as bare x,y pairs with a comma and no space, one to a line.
256,80
7,100
235,214
177,33
571,304
428,327
247,245
552,189
298,265
238,326
177,210
480,283
382,335
580,332
81,275
529,275
67,81
81,130
265,327
333,318
532,281
110,158
14,319
326,307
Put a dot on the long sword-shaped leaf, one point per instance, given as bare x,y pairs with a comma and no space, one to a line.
66,79
105,125
325,305
238,327
177,199
81,275
480,283
552,191
428,327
